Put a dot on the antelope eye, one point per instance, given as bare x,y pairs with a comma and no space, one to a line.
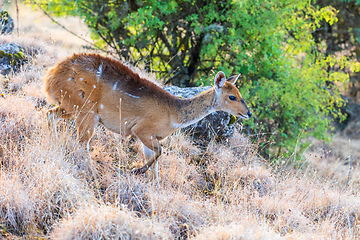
232,98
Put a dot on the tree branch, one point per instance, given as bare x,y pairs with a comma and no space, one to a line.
62,26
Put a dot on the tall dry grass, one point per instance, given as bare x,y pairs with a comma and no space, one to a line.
50,187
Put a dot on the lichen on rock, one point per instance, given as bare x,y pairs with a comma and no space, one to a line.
12,56
6,22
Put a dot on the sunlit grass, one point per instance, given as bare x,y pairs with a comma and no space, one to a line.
50,187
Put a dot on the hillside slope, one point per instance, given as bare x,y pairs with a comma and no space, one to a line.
50,187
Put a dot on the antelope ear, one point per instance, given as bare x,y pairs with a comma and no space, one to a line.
233,79
220,80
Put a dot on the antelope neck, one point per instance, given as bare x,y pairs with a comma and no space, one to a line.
191,110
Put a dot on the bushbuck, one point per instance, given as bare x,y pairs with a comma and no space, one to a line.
94,89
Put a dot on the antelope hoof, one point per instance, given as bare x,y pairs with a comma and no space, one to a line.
139,171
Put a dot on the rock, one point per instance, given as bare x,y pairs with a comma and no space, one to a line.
219,125
11,58
6,22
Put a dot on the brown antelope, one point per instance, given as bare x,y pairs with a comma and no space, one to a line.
96,89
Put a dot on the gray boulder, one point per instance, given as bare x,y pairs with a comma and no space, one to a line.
6,22
11,58
219,125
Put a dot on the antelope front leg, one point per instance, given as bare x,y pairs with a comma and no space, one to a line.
152,150
155,166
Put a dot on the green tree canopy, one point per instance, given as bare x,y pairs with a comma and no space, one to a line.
343,37
286,75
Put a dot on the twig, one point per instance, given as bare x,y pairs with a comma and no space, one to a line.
325,153
56,22
348,179
17,17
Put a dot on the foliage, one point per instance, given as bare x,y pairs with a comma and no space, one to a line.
343,37
287,80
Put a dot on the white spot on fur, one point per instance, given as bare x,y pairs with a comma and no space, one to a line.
115,85
101,106
226,102
81,79
97,119
69,79
94,86
130,95
99,71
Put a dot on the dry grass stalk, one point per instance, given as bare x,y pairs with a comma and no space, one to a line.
51,187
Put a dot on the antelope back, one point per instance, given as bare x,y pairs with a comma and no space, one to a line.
95,84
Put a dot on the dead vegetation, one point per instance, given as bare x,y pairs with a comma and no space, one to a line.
50,187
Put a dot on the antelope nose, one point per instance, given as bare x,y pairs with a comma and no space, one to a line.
249,114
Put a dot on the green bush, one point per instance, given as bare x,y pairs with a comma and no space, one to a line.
287,79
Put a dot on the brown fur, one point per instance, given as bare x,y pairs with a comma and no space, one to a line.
93,89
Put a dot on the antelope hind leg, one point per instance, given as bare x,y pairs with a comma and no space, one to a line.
85,125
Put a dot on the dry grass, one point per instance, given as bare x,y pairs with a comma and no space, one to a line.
50,187
36,25
107,222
